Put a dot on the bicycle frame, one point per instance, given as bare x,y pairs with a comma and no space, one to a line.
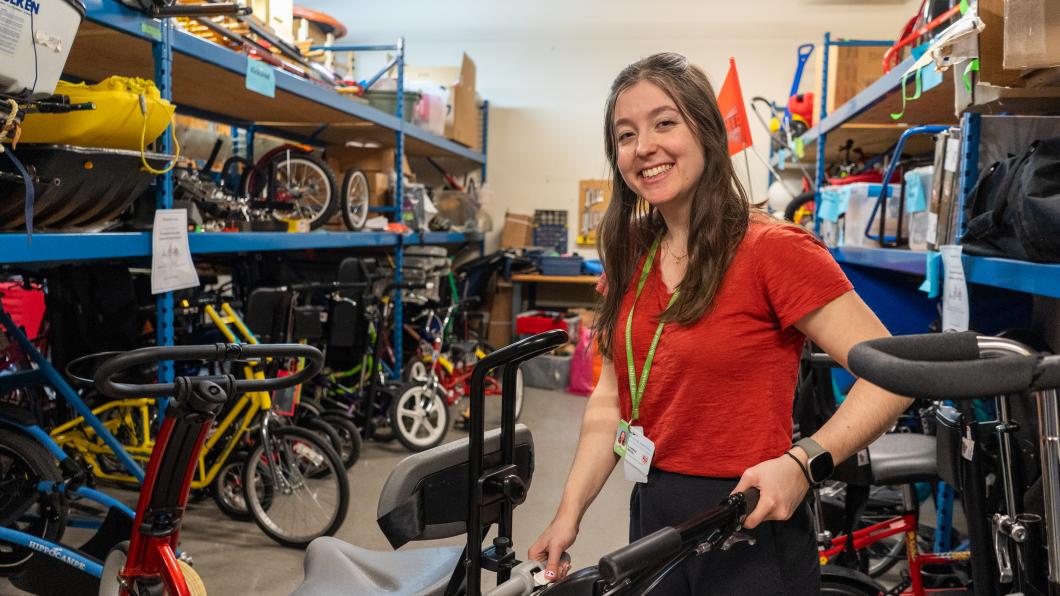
45,373
907,525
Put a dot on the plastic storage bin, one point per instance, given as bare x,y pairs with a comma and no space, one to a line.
539,321
547,372
387,102
563,266
845,211
917,190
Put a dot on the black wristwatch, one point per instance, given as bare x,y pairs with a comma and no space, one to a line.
819,465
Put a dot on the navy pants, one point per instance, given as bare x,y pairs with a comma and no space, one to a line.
783,559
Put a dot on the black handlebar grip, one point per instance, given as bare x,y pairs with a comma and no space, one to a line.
750,499
1048,374
940,366
638,555
104,377
524,349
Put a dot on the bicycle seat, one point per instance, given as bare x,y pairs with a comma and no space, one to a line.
336,567
424,498
898,458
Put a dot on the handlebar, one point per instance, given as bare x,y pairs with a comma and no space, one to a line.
947,366
106,384
325,286
657,547
522,350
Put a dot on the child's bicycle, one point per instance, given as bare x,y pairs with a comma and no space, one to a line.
442,364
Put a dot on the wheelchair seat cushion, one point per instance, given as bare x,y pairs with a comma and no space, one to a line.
334,567
900,458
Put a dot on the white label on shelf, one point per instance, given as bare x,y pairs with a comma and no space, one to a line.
954,290
932,228
171,265
953,154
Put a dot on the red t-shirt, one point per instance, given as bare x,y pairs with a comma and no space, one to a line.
719,396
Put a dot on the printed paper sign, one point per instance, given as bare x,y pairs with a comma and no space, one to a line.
954,290
261,78
171,264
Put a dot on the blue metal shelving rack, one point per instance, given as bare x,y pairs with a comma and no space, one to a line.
1032,278
321,115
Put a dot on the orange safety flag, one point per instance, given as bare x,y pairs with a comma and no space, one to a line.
730,102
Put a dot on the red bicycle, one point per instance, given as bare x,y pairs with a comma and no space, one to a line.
148,561
445,375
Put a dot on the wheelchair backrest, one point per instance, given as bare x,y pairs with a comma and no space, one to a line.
425,497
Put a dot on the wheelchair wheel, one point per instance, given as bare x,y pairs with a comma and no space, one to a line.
23,464
310,493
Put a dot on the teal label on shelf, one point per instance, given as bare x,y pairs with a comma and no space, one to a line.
932,275
261,78
915,197
151,29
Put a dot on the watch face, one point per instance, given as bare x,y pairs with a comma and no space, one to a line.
821,467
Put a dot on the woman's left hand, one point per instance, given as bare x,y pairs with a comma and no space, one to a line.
781,485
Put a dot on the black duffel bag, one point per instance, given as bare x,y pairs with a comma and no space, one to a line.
1014,209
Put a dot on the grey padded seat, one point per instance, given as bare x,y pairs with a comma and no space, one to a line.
334,567
901,458
337,568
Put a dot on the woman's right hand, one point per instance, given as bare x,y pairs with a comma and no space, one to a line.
550,546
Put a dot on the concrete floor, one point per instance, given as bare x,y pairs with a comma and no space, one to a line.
237,558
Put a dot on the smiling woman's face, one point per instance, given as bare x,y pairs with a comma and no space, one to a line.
659,156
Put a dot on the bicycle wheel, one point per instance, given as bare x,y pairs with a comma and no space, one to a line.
354,201
23,464
420,418
324,430
416,371
228,488
350,438
800,210
305,183
310,491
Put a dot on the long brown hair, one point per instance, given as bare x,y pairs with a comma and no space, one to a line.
720,209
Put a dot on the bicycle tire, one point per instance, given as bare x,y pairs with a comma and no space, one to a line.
298,466
797,203
421,411
255,185
350,438
227,488
24,463
354,208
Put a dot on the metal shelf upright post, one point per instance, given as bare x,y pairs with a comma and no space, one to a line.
162,51
822,140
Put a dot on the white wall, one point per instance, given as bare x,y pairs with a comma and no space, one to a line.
546,68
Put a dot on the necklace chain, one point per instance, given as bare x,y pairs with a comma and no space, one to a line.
671,253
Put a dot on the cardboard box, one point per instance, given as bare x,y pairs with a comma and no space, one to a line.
463,121
850,70
1032,34
367,160
518,230
500,315
992,46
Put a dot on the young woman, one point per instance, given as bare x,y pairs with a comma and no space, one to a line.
706,304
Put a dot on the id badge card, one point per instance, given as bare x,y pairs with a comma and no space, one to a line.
621,438
639,452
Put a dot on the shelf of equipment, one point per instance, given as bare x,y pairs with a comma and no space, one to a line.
114,39
866,118
50,248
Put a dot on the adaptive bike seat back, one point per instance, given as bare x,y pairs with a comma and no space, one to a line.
894,458
424,498
267,313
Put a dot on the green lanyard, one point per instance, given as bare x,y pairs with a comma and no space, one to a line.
636,387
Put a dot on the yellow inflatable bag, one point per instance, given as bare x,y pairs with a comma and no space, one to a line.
130,114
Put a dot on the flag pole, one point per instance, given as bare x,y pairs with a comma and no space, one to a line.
747,166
